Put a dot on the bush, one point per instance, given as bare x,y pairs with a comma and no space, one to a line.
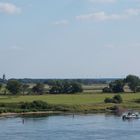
107,90
35,105
116,99
137,100
108,100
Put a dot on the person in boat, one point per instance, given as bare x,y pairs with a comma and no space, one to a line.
130,115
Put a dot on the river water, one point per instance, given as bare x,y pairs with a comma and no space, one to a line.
69,127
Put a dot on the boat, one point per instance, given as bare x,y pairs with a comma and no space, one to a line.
130,115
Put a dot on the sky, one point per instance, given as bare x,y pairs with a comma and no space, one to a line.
69,38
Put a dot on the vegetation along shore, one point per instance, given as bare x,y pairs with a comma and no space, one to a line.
69,96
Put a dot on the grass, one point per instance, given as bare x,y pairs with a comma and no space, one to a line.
77,102
75,99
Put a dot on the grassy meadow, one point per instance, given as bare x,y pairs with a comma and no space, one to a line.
92,99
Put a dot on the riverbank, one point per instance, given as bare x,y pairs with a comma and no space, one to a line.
39,109
8,114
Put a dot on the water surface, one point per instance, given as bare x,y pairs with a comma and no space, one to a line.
69,127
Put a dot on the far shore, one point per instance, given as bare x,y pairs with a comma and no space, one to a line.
10,114
14,114
31,113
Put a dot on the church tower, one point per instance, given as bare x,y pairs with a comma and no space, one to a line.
4,77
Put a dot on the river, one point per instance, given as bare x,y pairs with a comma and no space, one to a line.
69,127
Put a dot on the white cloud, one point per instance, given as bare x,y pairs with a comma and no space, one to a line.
9,8
102,1
61,22
132,12
102,16
99,16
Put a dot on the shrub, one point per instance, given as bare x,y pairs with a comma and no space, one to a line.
35,105
108,100
116,99
137,100
107,90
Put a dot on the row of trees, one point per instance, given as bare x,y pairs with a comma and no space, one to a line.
117,86
66,87
15,87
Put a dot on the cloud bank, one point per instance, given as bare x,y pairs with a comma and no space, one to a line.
9,8
102,16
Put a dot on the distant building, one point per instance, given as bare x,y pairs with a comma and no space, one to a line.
4,77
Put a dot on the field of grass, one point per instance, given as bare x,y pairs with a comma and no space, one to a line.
78,102
75,99
96,88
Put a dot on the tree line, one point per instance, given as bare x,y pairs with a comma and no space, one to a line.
16,87
53,81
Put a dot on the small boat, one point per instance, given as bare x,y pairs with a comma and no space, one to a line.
130,115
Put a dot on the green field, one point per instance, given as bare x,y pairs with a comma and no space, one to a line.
77,102
75,99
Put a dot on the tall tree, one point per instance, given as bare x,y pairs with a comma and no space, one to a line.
133,82
24,88
38,88
117,86
14,86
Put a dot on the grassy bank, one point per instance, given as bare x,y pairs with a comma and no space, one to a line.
68,103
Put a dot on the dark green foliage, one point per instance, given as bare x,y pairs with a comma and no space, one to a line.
133,82
117,86
108,100
66,87
0,86
38,88
76,88
137,101
35,105
138,89
116,99
14,86
107,90
25,88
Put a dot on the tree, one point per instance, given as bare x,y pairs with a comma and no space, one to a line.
25,88
38,88
117,86
133,82
14,86
76,87
66,87
107,90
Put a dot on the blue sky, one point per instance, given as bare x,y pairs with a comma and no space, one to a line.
69,38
